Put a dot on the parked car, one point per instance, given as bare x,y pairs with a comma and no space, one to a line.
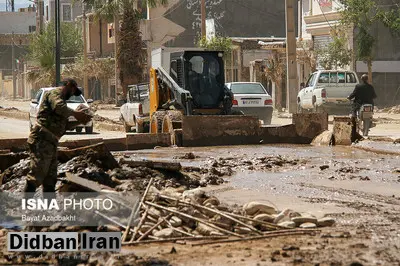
72,103
135,112
327,90
252,99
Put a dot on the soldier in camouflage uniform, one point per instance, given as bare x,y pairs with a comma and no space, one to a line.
52,122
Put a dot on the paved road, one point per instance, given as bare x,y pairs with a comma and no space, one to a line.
14,128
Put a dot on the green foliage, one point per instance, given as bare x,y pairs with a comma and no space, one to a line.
41,50
358,12
107,9
391,19
362,14
217,44
336,54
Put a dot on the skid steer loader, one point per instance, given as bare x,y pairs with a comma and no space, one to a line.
188,96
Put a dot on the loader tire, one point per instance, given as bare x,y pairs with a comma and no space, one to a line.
156,122
171,122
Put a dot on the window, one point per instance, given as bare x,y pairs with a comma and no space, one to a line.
66,12
38,94
247,88
32,28
311,80
76,99
196,64
340,77
323,78
47,13
350,78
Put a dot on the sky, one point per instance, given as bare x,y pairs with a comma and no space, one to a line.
17,4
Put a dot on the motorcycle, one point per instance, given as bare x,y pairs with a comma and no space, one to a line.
365,114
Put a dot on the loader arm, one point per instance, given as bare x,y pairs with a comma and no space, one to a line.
182,97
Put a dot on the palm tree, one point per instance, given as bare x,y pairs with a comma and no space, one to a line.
128,41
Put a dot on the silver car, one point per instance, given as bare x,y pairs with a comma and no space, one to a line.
72,103
252,99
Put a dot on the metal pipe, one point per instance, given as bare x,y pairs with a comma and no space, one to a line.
203,18
58,42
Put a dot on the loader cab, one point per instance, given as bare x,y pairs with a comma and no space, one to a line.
202,74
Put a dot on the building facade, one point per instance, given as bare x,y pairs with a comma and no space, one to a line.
321,16
15,29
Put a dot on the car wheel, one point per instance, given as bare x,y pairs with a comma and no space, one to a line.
89,130
139,128
316,109
128,128
300,110
78,129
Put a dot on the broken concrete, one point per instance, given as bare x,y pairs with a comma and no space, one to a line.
342,130
147,141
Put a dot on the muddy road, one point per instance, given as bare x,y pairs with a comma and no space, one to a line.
15,128
360,189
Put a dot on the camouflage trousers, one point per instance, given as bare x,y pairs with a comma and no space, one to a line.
43,155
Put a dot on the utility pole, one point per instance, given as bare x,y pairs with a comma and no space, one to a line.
58,42
85,59
13,68
203,18
291,97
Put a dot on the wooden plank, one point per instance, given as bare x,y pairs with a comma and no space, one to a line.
88,184
162,165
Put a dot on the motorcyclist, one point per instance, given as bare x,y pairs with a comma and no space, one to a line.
363,93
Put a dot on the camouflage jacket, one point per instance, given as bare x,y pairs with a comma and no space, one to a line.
52,117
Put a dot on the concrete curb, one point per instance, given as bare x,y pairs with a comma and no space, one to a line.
15,114
25,116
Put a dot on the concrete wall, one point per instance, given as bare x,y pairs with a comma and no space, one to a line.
17,22
250,18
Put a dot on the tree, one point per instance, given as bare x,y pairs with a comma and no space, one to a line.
218,44
129,53
362,14
276,71
100,69
41,51
336,54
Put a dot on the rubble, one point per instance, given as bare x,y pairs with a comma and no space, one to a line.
193,212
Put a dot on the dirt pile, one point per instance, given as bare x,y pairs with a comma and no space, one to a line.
97,164
390,110
99,118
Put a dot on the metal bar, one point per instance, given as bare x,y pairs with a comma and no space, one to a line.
58,42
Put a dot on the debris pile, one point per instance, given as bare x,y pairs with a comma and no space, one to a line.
177,213
263,163
97,164
390,110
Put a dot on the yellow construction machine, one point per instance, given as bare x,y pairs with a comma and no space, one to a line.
187,95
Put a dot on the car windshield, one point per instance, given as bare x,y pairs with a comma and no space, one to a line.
76,99
247,88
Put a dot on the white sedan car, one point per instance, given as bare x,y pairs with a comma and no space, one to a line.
72,103
252,99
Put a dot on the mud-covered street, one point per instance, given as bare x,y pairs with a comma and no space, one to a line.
355,186
359,189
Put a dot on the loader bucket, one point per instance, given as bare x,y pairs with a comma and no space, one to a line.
216,130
